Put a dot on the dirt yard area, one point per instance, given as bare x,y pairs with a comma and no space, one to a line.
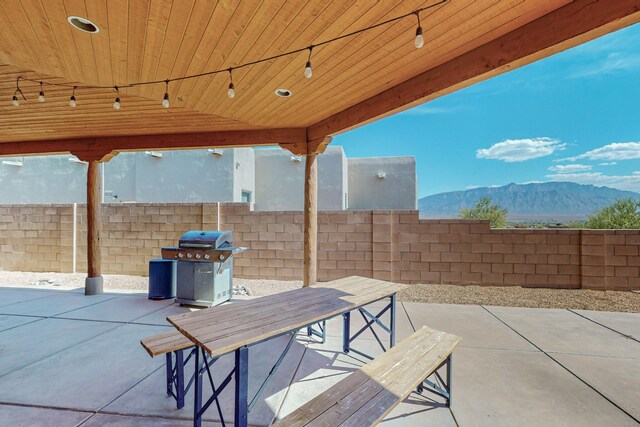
509,296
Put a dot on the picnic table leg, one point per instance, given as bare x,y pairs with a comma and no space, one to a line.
169,366
180,379
449,384
197,401
346,333
242,387
392,323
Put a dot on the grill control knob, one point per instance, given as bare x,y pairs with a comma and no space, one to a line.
180,255
189,255
206,256
197,256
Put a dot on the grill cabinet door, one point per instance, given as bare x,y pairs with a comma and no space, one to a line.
203,281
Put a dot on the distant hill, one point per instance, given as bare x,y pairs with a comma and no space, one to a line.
549,201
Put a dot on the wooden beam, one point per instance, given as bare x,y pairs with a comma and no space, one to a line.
103,148
93,283
317,146
310,220
565,27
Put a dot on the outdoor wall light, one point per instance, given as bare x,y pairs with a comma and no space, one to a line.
382,175
154,154
296,159
216,151
77,160
12,163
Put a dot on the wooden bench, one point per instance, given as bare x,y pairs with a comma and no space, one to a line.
173,345
366,396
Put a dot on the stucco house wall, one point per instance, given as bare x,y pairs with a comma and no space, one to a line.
382,183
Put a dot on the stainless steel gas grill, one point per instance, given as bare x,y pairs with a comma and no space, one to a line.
205,267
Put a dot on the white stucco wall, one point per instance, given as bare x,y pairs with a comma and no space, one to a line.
120,178
274,180
50,179
184,176
244,173
332,177
398,189
280,181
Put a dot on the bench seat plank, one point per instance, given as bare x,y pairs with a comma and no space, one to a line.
165,343
366,396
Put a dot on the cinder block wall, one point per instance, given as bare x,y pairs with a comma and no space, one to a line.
389,245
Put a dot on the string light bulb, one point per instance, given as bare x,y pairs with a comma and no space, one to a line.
165,101
116,103
15,101
308,71
232,90
72,100
41,94
419,41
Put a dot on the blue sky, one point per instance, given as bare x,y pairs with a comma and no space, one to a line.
574,116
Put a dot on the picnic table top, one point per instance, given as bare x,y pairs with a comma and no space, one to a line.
223,329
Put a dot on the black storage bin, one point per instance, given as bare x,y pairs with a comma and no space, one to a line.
162,278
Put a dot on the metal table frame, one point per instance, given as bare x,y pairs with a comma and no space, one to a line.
240,372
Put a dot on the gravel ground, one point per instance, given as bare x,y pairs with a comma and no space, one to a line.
428,293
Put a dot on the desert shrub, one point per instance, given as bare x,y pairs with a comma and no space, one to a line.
483,209
623,214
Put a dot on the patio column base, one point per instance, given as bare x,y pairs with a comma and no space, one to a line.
93,285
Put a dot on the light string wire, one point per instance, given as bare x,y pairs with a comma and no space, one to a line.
243,65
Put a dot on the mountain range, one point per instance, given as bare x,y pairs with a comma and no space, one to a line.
549,201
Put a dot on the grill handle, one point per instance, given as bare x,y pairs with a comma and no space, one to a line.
196,245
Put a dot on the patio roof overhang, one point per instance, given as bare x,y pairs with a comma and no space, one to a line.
356,80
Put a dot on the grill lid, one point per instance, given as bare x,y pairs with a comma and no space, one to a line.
205,239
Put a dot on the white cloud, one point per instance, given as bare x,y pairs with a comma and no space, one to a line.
570,168
424,110
471,187
621,182
614,62
614,151
607,164
519,150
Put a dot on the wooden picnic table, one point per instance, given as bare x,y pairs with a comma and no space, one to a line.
235,327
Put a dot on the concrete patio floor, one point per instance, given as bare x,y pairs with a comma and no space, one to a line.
71,360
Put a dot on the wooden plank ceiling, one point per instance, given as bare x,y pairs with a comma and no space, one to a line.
141,40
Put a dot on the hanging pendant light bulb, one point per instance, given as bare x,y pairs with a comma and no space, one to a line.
165,101
72,100
308,72
419,41
15,101
41,94
232,91
116,103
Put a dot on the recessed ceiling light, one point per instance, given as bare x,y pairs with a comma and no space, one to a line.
284,93
83,24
